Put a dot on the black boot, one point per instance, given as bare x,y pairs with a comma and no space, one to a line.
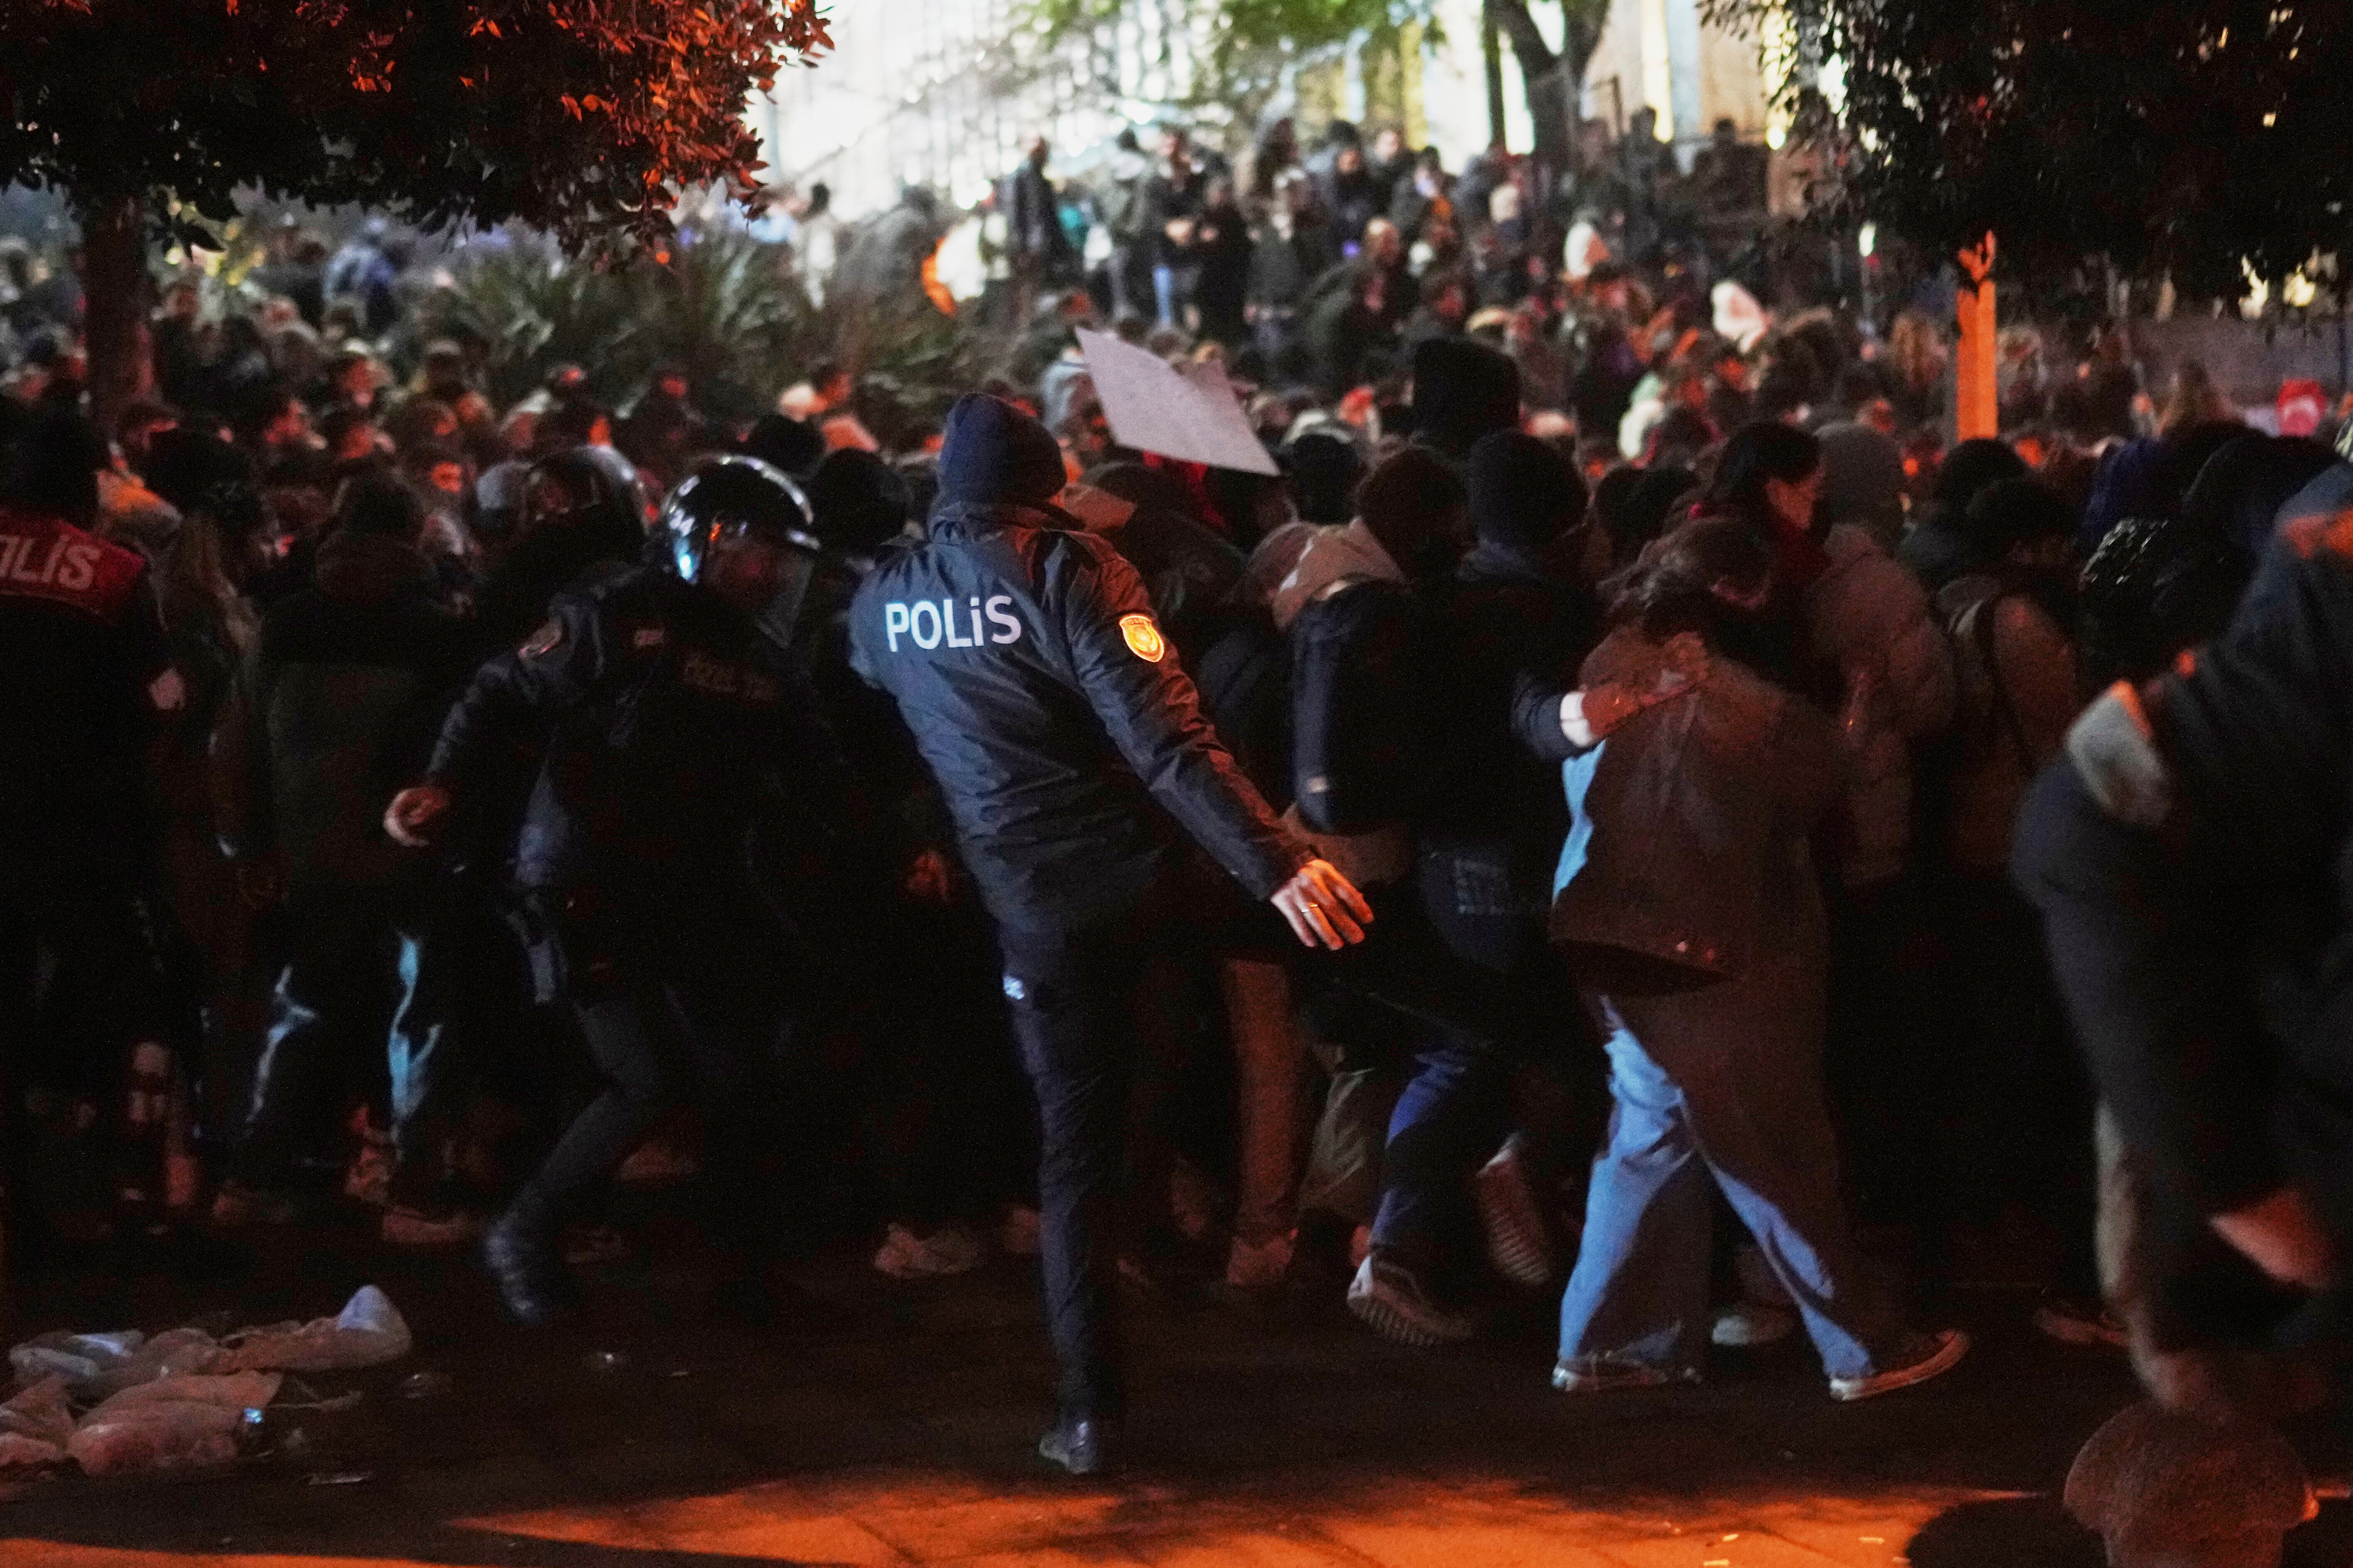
523,1264
1078,1444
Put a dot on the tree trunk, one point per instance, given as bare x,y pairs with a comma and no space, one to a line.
116,290
1540,73
1490,54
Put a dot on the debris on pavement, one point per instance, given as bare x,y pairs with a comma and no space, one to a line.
427,1384
189,1421
369,1330
182,1399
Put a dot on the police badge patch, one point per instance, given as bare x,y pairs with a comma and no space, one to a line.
1144,639
543,641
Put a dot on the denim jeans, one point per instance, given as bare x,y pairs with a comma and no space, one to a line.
1640,1290
1403,1000
368,973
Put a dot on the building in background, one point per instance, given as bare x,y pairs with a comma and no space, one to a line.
946,93
1660,55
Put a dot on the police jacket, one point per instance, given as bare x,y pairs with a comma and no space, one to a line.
1043,697
664,726
87,671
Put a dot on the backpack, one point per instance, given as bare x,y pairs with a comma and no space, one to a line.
1242,667
2154,587
1120,207
1967,609
1364,706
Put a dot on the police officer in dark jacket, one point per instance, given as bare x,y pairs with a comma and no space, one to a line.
2190,855
1024,657
669,723
89,677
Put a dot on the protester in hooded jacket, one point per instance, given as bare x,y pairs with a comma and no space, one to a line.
339,707
2016,1132
1937,547
1863,481
1692,917
1487,855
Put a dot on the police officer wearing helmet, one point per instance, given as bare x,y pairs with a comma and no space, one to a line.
1024,655
667,722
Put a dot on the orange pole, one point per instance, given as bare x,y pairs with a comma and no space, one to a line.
1977,406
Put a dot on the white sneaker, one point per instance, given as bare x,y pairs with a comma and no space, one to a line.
1922,1357
1607,1374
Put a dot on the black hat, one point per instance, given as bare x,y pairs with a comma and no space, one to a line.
1523,492
1325,469
56,470
992,452
1461,391
784,442
857,500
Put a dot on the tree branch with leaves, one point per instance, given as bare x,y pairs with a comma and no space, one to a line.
582,117
2202,140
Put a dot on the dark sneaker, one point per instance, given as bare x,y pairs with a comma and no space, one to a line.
1388,1298
1519,1244
2074,1323
530,1280
1605,1373
1075,1444
1924,1356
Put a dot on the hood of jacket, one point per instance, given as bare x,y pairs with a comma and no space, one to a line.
370,568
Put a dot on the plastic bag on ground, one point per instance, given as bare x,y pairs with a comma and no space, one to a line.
185,1422
40,1412
36,1425
369,1330
174,1354
16,1449
79,1358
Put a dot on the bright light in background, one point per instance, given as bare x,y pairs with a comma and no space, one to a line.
1866,239
1657,79
2258,293
1777,57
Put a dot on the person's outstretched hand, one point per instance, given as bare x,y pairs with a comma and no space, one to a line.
1324,907
414,818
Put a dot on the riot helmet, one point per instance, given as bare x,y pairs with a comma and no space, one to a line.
715,523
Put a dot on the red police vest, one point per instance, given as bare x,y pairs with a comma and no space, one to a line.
46,558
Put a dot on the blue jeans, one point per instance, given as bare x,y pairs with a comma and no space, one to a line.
1640,1290
1444,1124
1163,293
1401,998
368,973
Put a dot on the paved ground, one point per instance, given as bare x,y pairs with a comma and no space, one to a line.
892,1428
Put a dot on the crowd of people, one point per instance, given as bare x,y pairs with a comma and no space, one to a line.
1574,800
